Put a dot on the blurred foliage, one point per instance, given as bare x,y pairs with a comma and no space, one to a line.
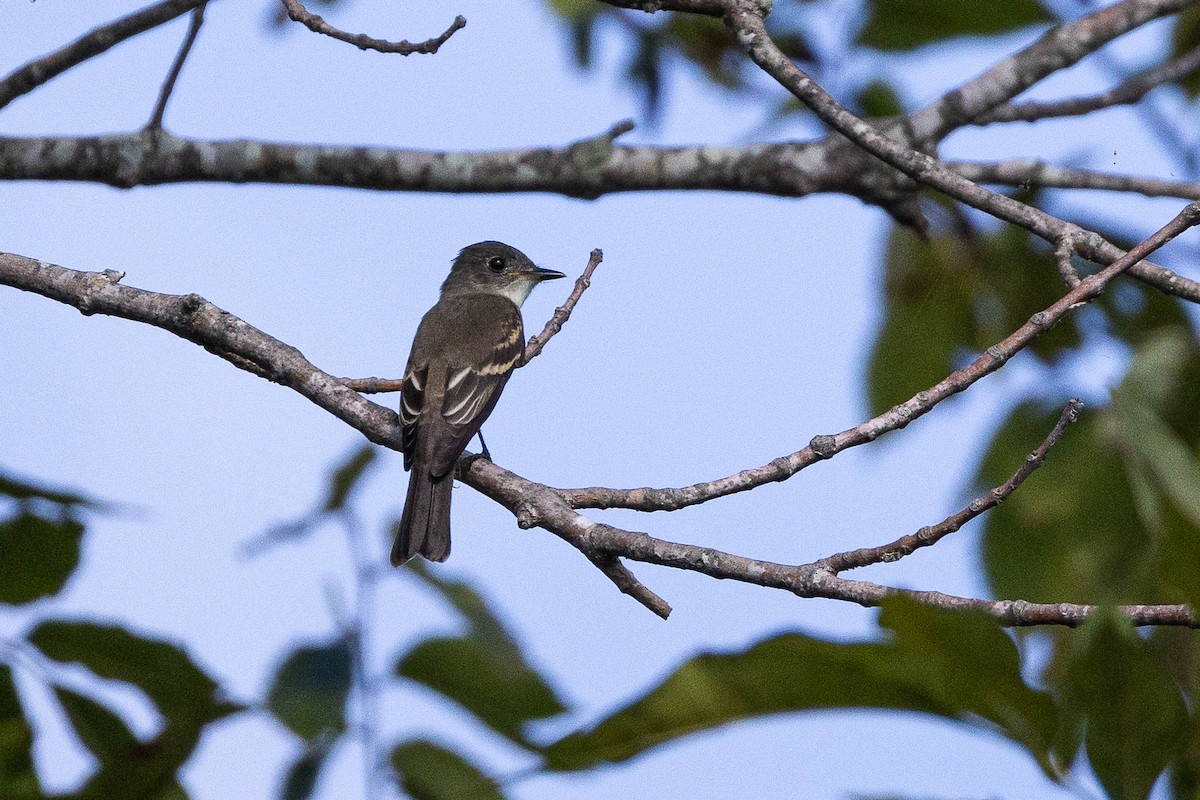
959,666
40,537
1128,532
429,771
948,298
907,25
1185,37
310,689
656,41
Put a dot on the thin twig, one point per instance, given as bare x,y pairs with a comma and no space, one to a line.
160,108
374,385
1064,255
826,446
197,320
32,75
932,534
628,583
1128,92
298,13
1031,173
563,312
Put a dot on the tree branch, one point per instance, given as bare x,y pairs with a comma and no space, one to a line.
193,318
745,17
298,13
789,169
1127,92
932,534
197,320
1033,173
35,73
1060,47
563,312
535,504
826,446
160,108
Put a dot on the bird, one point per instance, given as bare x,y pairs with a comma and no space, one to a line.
465,349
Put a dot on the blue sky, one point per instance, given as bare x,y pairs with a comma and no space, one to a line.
721,331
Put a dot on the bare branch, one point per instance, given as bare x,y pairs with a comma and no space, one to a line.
1064,257
1127,92
786,169
1060,47
827,446
563,312
535,504
197,320
628,583
575,170
374,385
1034,173
35,73
296,10
193,318
932,534
160,108
745,17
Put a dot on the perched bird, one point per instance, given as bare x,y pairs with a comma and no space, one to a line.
465,349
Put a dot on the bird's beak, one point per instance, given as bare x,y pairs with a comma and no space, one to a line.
540,274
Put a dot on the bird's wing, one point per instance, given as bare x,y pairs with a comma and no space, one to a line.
472,388
412,402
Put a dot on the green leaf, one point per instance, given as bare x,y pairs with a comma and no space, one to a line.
100,730
972,665
1117,688
928,290
1186,35
953,296
18,781
310,689
960,667
429,771
182,692
302,776
485,671
906,25
37,556
347,476
162,670
879,99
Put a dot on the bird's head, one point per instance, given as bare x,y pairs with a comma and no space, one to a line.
495,268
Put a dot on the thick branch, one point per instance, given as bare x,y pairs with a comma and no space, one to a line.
826,446
296,10
583,169
35,73
197,320
586,169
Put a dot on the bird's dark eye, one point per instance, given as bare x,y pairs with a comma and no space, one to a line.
496,263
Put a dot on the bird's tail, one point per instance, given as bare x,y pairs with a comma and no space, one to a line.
425,524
